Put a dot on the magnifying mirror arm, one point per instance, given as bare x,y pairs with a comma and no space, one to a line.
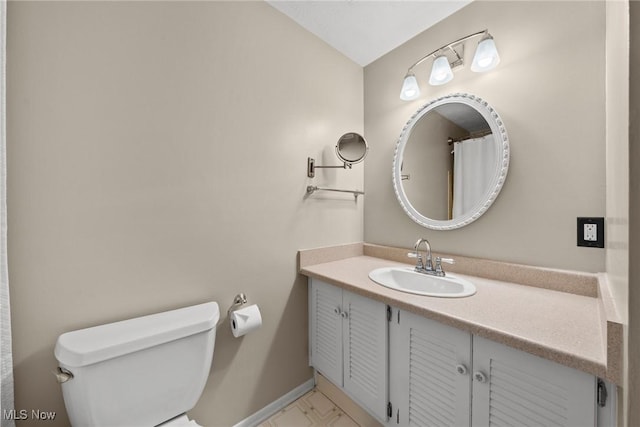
345,166
311,167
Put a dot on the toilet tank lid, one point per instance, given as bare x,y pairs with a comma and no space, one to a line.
87,346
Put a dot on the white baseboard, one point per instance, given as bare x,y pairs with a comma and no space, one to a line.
277,405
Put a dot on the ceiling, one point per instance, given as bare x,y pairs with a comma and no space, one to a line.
365,30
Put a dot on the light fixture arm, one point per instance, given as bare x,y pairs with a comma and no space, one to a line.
447,46
456,53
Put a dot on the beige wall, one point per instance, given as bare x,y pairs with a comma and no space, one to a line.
617,146
549,90
634,213
157,156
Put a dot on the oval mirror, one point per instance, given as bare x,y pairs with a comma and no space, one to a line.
451,161
352,148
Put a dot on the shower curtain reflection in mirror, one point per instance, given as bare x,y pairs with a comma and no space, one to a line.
471,176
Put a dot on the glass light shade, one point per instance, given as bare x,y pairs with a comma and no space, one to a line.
410,89
440,72
486,57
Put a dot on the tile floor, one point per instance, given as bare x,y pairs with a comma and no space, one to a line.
313,409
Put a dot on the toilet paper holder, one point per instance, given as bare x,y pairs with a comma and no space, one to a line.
238,301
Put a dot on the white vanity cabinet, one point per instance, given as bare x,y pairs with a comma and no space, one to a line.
407,370
512,387
430,370
348,344
443,376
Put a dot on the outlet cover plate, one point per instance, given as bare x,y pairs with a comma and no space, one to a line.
585,232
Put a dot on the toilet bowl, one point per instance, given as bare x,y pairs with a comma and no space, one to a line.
146,371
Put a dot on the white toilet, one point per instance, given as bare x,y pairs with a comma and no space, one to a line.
140,372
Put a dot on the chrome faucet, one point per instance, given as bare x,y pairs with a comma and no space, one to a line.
426,267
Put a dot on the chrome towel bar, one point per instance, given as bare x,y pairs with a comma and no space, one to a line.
312,189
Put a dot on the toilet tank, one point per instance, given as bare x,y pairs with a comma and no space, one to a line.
138,372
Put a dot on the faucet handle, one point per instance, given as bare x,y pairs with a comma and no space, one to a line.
419,263
438,270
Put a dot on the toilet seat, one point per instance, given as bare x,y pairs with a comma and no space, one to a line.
180,421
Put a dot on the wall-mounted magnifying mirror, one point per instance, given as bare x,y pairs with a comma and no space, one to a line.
451,161
351,148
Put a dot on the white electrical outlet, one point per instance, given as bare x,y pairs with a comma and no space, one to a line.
590,232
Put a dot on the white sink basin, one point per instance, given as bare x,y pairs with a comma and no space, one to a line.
406,279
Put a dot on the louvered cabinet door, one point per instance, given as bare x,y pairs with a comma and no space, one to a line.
365,342
325,330
435,362
513,388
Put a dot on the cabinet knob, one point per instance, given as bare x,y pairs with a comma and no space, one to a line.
337,311
344,314
480,377
462,370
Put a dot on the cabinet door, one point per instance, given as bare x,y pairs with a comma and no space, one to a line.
325,330
365,341
511,387
432,361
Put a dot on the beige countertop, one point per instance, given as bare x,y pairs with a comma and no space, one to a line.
573,329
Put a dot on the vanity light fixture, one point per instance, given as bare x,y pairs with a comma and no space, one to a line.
485,58
441,72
